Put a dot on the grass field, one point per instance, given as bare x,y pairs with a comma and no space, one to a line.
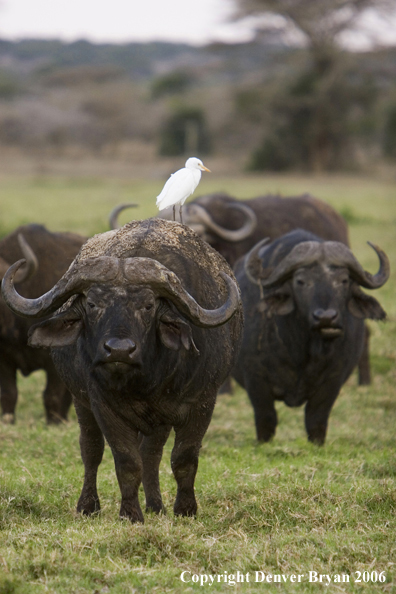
282,508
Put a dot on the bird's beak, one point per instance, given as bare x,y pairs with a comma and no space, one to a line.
203,168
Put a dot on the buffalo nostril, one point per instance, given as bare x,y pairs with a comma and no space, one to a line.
325,315
119,346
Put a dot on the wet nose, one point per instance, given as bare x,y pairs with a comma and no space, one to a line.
325,316
119,348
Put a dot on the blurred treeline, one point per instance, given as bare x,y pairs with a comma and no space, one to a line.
260,102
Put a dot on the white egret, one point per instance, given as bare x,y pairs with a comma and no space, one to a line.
181,185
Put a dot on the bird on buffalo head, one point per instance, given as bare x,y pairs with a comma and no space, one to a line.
181,185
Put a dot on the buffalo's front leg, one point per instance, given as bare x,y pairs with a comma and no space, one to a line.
92,446
129,470
317,416
151,452
124,442
184,459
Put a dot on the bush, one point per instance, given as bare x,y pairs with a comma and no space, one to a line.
171,84
270,156
389,142
9,86
185,132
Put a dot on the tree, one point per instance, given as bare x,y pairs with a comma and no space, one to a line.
319,24
316,106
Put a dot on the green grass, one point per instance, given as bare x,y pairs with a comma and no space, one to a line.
286,507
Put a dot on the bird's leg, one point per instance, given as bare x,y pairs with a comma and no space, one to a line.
174,212
181,217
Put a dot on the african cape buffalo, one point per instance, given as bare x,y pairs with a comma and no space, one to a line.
234,226
48,256
149,327
304,325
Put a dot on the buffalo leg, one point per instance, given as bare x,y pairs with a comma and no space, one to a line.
53,397
316,418
65,403
364,363
265,416
129,470
124,443
151,452
92,446
9,392
184,459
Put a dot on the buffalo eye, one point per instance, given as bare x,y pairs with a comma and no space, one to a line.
91,304
300,282
148,307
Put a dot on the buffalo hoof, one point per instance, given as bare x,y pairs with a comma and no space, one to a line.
185,507
156,507
265,435
55,419
8,419
317,438
131,512
364,380
88,506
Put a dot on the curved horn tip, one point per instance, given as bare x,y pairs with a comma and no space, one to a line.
13,269
262,243
252,262
117,210
7,283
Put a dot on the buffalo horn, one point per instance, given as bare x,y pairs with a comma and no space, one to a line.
333,253
252,264
138,271
113,216
31,262
340,255
76,279
228,234
166,283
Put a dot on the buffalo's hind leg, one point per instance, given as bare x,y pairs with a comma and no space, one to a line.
364,362
56,401
92,446
8,392
151,452
184,458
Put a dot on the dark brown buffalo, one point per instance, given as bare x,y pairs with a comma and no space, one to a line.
304,325
49,255
149,327
234,226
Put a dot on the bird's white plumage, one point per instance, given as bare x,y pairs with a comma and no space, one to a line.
181,184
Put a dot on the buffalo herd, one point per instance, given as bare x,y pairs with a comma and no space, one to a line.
141,325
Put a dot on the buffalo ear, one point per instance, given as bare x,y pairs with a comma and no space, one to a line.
364,306
59,331
279,302
175,333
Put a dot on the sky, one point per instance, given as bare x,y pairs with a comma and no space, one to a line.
119,21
